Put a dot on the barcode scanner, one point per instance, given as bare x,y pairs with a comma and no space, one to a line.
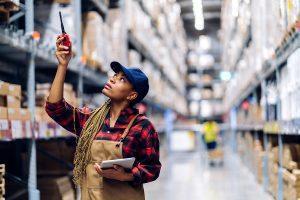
66,41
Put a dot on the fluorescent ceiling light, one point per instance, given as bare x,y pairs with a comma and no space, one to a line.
225,76
204,42
198,13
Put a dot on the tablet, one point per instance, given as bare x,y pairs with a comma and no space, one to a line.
125,162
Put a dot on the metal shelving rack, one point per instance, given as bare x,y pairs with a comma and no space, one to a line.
20,50
278,128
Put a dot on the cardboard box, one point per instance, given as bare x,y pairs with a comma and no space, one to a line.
25,114
3,113
14,114
14,90
13,102
4,88
16,129
5,132
27,130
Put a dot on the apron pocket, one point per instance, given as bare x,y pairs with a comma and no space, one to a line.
93,179
95,194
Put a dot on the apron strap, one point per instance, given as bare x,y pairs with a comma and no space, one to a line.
125,133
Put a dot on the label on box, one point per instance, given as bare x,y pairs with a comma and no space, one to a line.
25,114
14,90
27,129
43,129
4,125
16,129
13,102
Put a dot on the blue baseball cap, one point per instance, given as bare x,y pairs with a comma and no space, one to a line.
136,77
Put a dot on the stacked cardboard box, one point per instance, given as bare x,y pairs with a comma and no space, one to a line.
2,181
42,92
56,188
14,120
46,127
291,156
291,184
94,40
117,35
273,170
291,171
259,154
252,154
252,115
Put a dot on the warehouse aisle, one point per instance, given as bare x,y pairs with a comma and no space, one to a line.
187,176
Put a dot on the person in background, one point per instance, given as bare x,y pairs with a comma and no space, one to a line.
112,131
210,136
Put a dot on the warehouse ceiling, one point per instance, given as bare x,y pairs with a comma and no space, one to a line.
211,14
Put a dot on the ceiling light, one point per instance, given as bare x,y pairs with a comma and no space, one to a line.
204,42
225,76
198,13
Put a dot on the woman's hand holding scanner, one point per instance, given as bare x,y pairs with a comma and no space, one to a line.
66,38
63,53
117,173
63,46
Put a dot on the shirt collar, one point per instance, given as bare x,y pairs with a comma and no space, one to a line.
125,116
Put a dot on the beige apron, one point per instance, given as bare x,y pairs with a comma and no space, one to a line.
96,187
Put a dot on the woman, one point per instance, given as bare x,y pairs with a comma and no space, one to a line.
113,131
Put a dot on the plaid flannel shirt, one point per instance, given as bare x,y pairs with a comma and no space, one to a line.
141,142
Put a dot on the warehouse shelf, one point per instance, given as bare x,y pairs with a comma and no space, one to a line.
146,54
250,127
270,66
282,128
153,23
15,47
198,127
273,127
245,44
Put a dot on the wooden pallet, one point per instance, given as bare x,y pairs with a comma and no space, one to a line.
2,169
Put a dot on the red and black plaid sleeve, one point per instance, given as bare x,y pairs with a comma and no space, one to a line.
148,167
70,118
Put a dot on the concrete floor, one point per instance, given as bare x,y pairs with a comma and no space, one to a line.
188,176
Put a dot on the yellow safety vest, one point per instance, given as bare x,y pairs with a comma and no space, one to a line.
210,131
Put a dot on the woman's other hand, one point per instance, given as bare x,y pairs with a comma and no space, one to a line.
117,173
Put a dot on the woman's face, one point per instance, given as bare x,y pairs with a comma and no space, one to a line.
119,89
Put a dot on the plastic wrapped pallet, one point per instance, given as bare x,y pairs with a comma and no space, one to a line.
94,36
134,58
118,35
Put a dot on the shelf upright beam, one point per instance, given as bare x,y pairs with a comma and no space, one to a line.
233,128
29,28
169,121
280,140
266,146
77,19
